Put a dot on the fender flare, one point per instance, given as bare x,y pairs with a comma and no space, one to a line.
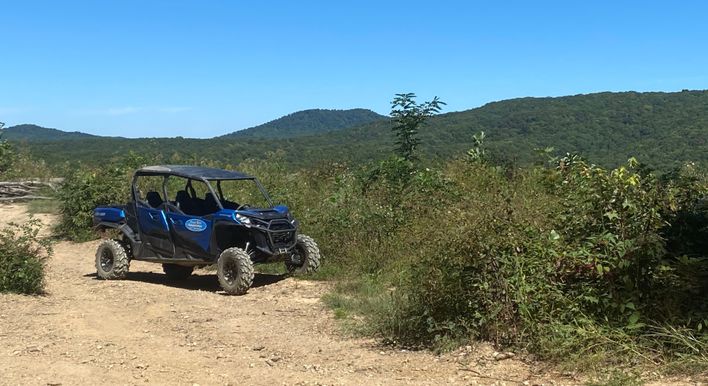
237,229
123,228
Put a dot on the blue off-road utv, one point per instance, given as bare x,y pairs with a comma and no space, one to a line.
187,216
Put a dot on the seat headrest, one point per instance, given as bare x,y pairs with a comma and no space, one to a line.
154,199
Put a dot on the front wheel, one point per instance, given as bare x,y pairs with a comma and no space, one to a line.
305,258
235,271
112,261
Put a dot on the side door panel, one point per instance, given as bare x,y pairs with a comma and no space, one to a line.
191,234
154,230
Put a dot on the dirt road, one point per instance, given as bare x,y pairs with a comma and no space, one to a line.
147,329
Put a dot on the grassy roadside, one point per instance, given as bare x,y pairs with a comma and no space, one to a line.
596,282
50,206
601,355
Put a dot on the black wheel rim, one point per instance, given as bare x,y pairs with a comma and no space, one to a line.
297,260
106,260
230,271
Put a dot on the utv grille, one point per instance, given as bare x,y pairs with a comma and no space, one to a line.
278,226
282,233
282,238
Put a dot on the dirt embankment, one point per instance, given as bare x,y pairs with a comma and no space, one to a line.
147,329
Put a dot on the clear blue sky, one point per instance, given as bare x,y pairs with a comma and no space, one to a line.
204,68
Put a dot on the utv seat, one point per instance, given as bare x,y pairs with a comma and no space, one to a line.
184,202
210,205
154,199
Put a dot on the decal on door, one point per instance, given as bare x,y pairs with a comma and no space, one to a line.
195,225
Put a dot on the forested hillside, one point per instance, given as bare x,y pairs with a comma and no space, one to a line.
28,132
662,130
308,122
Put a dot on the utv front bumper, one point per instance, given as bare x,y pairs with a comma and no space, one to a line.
275,237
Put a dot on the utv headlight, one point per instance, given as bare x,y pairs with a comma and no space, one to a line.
242,219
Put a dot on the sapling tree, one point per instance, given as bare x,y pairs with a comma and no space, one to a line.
408,116
478,152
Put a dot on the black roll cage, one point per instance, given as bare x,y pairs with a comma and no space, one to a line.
220,195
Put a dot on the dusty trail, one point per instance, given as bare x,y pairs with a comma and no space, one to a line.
150,330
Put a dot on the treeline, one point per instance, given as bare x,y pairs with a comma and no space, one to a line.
662,130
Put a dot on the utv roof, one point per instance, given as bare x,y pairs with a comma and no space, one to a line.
193,172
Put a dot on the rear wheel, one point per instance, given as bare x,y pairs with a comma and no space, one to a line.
235,271
306,257
176,271
112,261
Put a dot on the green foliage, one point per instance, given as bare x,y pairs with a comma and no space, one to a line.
17,163
663,130
22,257
408,115
7,155
570,261
687,210
478,153
609,227
50,206
26,132
309,122
87,188
477,259
684,271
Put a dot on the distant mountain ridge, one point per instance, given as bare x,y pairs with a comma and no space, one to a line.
661,129
308,122
31,133
300,123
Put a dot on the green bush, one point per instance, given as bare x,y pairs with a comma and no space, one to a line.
609,228
684,271
560,260
7,157
686,211
17,163
22,257
479,259
83,191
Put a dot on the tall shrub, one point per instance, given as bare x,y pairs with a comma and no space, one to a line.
7,155
82,192
22,258
86,188
609,224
